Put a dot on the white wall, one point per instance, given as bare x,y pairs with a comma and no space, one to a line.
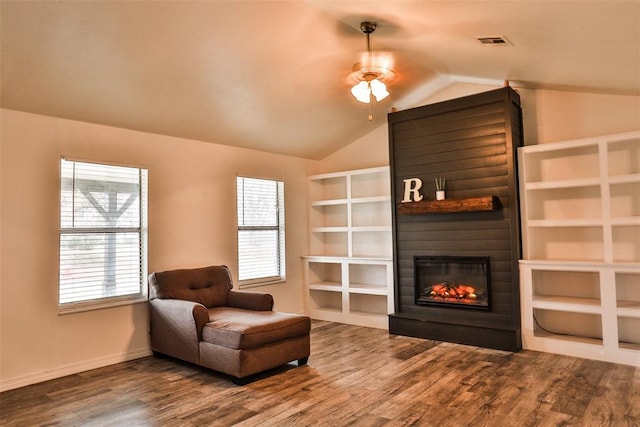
191,223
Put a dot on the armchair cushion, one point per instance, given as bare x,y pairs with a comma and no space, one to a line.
250,300
208,286
243,329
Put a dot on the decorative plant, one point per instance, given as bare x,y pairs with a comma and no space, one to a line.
440,183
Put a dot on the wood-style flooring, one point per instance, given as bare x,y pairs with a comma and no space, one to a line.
355,377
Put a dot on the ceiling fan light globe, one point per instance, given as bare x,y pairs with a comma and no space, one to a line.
379,90
362,92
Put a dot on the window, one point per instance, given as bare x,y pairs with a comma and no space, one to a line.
103,235
260,231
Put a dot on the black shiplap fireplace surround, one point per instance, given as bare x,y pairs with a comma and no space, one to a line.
471,141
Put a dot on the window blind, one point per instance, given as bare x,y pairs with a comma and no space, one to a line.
103,223
260,205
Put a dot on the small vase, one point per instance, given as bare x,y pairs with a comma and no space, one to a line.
440,195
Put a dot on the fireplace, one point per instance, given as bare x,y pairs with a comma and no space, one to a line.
452,281
442,247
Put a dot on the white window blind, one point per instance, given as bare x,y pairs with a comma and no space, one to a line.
261,256
103,226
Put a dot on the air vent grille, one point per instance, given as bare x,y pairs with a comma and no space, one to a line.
494,41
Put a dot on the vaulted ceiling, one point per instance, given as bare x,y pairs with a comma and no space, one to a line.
271,75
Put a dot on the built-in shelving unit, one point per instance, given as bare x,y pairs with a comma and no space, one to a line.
348,277
580,274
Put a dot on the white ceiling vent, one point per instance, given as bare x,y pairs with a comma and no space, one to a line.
494,41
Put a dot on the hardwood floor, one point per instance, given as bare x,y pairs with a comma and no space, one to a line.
356,376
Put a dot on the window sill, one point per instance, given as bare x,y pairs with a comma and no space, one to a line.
79,307
256,284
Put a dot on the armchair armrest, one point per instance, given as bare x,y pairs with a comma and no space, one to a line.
176,327
250,300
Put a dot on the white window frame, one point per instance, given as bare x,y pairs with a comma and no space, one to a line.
69,226
279,227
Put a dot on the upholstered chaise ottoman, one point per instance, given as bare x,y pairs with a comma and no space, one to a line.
196,316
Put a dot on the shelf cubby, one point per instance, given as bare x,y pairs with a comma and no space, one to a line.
565,203
570,324
367,304
370,278
569,242
328,215
564,163
371,213
325,275
571,284
371,243
623,156
629,333
624,201
628,294
325,300
329,243
625,243
373,182
327,189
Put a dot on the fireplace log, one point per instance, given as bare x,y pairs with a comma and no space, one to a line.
474,204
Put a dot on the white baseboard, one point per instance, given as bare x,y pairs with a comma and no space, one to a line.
62,371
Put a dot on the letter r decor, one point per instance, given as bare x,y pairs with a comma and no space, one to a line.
412,186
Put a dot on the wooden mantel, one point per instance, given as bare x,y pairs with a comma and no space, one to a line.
475,204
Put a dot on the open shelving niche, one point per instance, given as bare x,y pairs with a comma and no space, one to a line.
348,277
580,274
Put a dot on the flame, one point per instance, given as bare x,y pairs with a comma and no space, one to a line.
455,292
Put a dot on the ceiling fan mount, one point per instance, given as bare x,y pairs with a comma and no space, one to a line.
368,27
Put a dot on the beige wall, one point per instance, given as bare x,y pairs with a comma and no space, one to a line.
191,223
548,116
552,116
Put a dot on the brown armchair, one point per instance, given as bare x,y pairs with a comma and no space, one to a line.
196,316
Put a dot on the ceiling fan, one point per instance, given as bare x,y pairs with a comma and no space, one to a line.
372,74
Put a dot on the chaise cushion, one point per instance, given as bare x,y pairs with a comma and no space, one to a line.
243,329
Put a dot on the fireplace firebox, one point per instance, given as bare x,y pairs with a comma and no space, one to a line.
452,281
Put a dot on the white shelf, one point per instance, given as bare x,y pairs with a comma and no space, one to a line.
631,220
630,267
372,199
339,259
565,223
624,179
580,276
326,286
330,229
348,276
371,228
573,183
630,309
594,343
363,288
329,202
568,304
